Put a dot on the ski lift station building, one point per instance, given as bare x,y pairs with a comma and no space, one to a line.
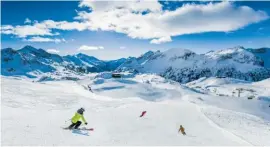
116,75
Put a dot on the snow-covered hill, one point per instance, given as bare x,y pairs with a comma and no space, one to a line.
34,113
233,88
184,65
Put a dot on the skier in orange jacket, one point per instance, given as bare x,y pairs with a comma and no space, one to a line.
182,130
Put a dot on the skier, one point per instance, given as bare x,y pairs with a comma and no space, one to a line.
75,119
182,130
143,113
89,88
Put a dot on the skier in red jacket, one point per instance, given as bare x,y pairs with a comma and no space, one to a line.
143,113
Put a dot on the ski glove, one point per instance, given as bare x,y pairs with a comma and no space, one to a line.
86,123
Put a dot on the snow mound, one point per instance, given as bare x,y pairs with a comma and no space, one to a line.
146,87
263,83
214,81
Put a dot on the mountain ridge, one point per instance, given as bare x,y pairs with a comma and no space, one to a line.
29,59
181,65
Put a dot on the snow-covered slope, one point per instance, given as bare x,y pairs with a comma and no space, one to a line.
34,113
184,65
263,83
231,87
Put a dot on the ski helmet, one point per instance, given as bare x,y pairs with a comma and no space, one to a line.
81,110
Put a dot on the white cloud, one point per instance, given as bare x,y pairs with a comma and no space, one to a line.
158,25
43,39
132,5
161,25
89,48
161,40
26,30
101,47
27,20
7,29
43,28
122,47
52,51
63,25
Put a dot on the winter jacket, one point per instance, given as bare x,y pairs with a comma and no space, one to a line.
77,117
182,130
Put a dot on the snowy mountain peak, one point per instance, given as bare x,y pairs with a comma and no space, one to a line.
237,54
28,48
183,65
178,54
177,51
33,62
147,54
32,52
239,47
8,50
224,52
86,57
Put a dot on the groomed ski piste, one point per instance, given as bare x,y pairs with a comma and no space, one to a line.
34,113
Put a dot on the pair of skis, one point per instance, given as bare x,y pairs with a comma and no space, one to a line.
81,131
86,129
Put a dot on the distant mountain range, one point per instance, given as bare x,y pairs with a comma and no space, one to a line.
184,65
30,61
177,64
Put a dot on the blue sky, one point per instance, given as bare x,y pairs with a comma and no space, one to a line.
110,30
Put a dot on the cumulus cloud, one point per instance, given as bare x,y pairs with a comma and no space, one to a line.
43,28
147,19
43,39
132,5
7,29
27,20
160,25
52,50
89,48
161,40
26,30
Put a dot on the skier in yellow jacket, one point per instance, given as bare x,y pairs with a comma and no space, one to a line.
75,119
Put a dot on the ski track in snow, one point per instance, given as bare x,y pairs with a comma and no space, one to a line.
238,138
33,114
245,128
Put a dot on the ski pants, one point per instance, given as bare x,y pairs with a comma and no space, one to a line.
75,125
